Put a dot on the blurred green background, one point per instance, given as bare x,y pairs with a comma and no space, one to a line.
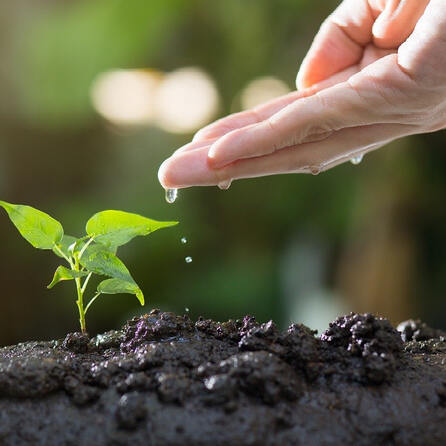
95,94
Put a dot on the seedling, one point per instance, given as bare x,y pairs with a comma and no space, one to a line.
94,253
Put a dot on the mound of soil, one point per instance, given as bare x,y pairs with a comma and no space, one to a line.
165,380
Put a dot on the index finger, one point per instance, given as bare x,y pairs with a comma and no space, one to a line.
264,111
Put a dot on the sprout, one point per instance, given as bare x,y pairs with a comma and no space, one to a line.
95,253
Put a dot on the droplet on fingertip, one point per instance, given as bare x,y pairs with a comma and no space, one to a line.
357,159
225,185
171,195
315,170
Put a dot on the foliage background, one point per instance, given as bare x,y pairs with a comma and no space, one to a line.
294,247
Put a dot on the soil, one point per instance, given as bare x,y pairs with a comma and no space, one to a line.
166,380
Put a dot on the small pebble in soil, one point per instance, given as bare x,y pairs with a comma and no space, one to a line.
131,411
76,342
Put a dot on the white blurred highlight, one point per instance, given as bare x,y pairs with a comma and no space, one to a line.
186,100
126,97
262,90
179,102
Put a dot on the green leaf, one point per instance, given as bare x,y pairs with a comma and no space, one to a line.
63,273
116,228
38,228
99,260
118,286
64,244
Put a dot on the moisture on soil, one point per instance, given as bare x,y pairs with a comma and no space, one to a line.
166,380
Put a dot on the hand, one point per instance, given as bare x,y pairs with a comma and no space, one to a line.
375,72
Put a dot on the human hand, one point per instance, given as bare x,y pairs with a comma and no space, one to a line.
375,72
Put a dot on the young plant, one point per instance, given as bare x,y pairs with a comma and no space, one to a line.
94,253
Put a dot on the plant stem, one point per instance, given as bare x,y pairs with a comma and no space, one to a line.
84,286
56,248
81,252
91,301
80,306
79,287
80,298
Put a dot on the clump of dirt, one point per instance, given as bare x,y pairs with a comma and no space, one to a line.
374,346
416,330
164,379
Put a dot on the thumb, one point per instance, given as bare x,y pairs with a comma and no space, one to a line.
397,22
338,44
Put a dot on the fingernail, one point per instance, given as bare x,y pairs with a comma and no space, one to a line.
181,149
192,146
216,163
201,135
162,172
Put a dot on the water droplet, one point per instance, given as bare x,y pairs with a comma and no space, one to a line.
188,259
183,240
171,195
315,170
186,309
357,159
225,185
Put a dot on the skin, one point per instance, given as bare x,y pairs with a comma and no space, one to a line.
376,72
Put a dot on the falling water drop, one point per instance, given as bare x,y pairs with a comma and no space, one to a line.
171,195
188,259
183,240
357,159
225,185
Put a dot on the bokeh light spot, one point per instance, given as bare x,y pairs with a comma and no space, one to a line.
186,100
126,97
262,90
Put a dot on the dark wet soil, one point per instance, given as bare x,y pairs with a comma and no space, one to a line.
166,380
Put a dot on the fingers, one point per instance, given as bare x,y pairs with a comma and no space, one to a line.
423,54
338,44
242,119
319,156
195,145
307,119
377,94
397,22
264,111
355,23
191,168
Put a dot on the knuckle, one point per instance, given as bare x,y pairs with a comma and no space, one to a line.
272,123
319,119
427,67
396,97
323,120
272,129
317,135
